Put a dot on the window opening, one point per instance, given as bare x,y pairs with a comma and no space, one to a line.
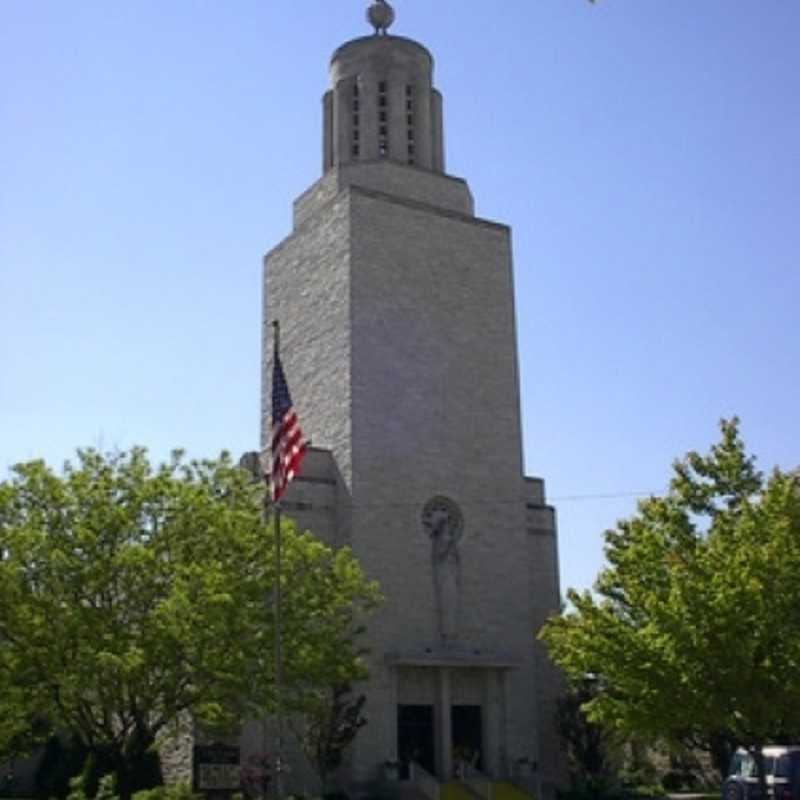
410,121
355,148
383,116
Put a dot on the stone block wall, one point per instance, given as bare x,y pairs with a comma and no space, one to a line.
399,343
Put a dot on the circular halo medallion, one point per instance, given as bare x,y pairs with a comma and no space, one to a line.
440,514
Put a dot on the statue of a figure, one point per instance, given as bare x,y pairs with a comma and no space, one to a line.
445,525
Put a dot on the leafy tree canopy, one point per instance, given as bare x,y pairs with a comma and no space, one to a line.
130,595
693,630
331,722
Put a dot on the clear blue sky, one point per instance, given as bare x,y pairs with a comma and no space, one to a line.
646,153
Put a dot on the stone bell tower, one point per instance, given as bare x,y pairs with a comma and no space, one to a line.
398,333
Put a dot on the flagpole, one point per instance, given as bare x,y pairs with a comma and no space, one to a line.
287,450
278,658
276,515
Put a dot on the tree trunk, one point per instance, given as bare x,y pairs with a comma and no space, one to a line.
721,750
134,764
322,774
758,755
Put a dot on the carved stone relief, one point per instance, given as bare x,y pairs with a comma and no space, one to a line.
444,523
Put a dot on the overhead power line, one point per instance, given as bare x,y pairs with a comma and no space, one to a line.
569,498
494,502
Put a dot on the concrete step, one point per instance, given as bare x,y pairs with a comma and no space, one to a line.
502,790
456,790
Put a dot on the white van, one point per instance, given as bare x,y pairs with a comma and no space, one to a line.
781,769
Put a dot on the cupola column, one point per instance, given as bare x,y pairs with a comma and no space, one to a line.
382,104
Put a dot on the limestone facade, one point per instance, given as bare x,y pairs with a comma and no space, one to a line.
398,339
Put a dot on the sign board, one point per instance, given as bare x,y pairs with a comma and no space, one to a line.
217,768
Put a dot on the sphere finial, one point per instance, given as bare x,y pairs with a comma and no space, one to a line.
380,15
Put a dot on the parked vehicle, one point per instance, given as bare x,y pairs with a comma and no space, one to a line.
781,771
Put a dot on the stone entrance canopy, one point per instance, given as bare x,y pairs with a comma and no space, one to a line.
465,690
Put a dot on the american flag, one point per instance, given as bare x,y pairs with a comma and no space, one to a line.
288,444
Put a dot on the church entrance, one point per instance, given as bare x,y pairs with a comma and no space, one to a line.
467,738
415,737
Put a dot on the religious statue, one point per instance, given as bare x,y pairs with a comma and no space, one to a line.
444,523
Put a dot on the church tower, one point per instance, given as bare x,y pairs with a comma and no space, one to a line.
398,338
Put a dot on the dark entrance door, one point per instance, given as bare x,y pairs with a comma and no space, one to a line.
467,733
415,737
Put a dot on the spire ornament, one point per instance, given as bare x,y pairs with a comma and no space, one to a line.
381,16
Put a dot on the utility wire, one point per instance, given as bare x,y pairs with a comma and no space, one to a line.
569,498
575,498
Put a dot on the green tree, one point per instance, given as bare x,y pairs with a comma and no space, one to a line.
590,749
694,625
132,595
331,720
